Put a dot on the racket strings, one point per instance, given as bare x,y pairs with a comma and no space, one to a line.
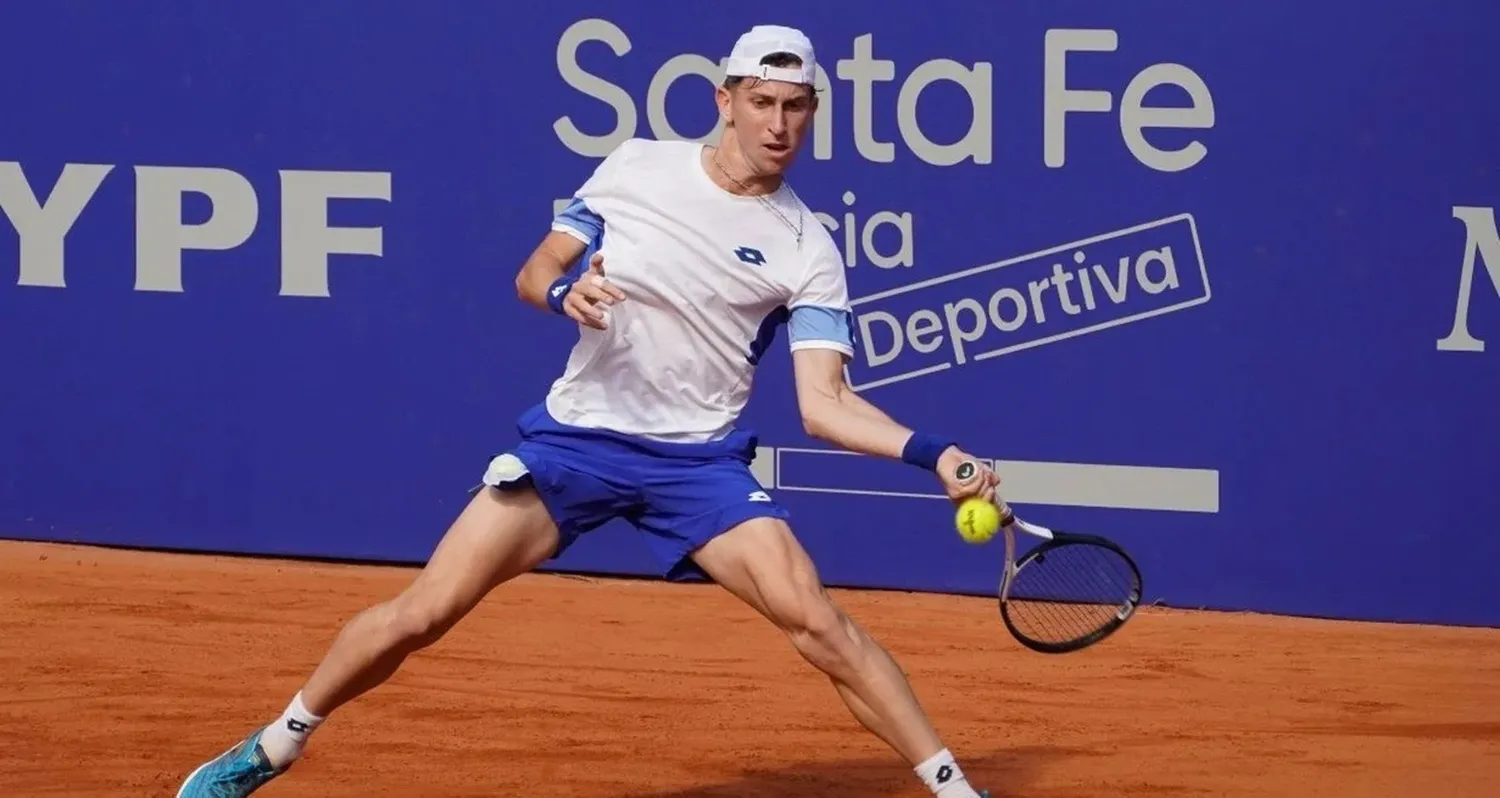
1050,608
1069,593
1055,621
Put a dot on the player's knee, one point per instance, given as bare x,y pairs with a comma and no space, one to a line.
822,633
412,623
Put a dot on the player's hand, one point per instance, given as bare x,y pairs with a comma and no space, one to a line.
591,295
959,484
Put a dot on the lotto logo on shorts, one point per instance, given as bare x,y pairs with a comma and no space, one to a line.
1059,293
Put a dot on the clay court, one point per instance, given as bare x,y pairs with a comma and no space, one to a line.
124,669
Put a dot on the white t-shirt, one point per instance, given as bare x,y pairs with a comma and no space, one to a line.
708,278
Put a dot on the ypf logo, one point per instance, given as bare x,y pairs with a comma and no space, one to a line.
309,241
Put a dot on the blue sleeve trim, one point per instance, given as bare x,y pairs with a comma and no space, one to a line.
581,221
814,325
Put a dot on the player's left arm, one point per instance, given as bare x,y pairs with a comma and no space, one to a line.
821,329
832,411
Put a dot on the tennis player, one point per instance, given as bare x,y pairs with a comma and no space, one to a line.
678,261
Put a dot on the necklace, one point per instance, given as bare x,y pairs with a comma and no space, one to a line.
767,203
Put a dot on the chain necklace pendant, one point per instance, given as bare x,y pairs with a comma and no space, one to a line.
766,201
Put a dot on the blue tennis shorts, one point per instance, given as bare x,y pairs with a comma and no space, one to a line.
678,495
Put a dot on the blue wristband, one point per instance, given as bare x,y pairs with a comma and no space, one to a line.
557,291
923,450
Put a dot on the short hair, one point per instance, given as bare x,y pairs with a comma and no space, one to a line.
780,59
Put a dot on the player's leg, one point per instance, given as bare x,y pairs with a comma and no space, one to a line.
712,513
762,562
537,499
497,536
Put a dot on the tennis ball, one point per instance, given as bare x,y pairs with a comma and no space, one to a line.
978,520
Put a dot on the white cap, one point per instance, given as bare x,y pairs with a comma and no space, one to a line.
763,40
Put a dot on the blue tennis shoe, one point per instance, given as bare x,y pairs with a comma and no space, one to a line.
235,773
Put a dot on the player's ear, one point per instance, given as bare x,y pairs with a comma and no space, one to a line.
723,98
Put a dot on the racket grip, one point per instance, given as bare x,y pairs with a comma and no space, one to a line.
969,469
1007,515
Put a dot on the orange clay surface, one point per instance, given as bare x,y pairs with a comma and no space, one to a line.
120,671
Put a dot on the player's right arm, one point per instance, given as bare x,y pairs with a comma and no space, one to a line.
545,281
554,257
548,280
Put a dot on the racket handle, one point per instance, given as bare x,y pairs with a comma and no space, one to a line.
1007,515
968,470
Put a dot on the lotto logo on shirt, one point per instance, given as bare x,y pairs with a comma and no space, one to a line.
1063,292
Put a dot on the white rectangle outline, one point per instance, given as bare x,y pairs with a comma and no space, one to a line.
1202,270
1193,490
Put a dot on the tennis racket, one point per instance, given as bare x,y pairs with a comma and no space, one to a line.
1067,593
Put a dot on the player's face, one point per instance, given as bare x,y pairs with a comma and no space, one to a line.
770,119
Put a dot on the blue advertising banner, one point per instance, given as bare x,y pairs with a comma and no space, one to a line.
1221,282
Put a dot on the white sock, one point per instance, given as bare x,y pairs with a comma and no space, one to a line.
942,775
283,740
